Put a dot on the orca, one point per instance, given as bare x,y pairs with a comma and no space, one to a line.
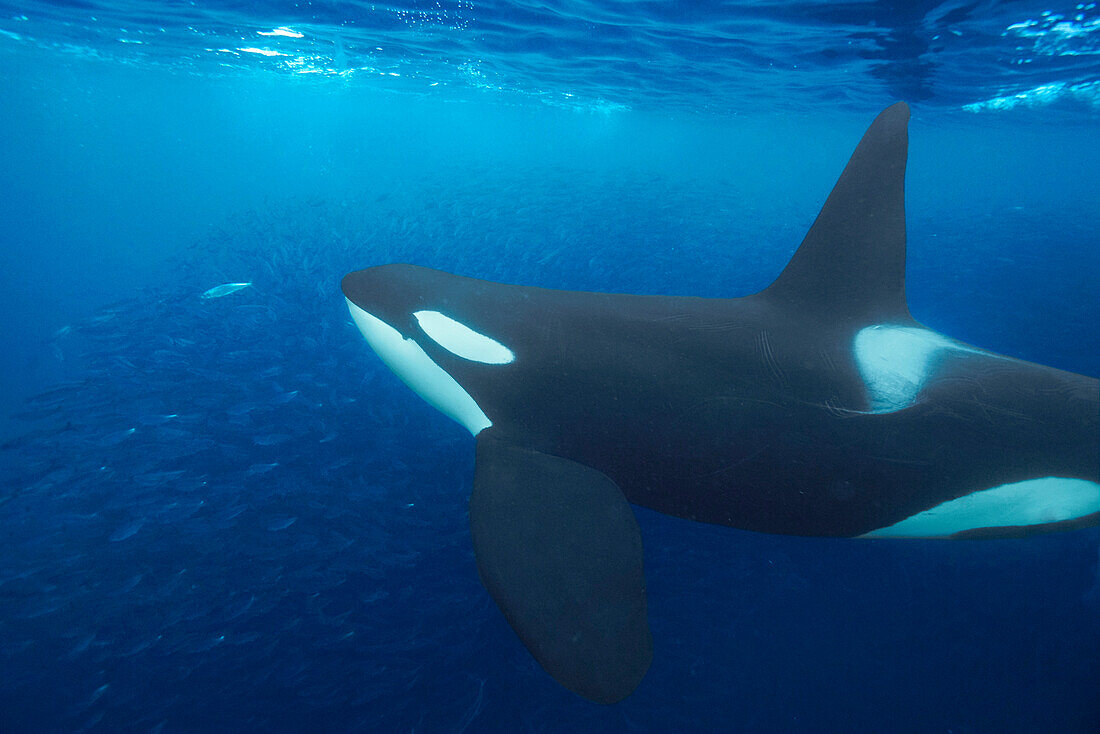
816,407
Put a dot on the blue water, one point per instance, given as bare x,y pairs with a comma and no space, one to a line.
225,515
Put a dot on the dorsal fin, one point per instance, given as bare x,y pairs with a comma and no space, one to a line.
851,264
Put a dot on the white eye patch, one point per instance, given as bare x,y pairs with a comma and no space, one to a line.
461,340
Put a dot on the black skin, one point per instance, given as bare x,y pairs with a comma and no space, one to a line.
751,412
742,412
747,412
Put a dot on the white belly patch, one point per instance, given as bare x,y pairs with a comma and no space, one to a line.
1031,502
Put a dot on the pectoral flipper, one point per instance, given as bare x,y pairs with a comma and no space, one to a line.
559,549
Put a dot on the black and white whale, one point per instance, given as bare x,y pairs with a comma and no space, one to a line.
817,407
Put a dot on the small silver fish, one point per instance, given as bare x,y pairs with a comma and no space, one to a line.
224,290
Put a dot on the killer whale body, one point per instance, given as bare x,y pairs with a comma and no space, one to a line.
817,407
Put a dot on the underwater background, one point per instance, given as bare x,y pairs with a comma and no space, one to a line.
224,514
